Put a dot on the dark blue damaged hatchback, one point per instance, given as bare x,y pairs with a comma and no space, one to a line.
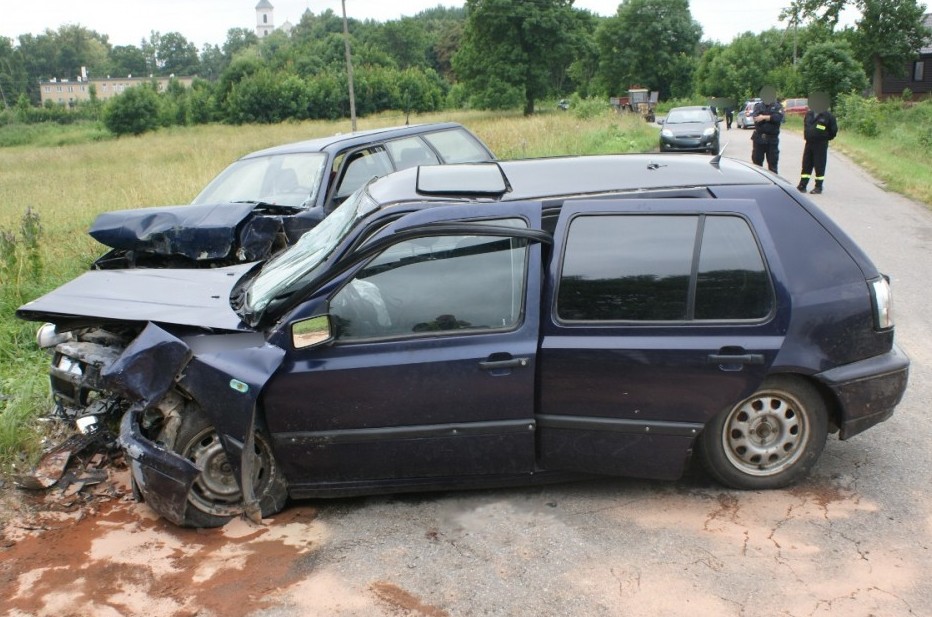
490,324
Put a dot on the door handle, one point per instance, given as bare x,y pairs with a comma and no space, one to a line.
491,365
743,358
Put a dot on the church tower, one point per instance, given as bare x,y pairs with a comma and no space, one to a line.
264,23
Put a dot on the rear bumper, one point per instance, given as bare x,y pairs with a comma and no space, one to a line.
163,478
867,391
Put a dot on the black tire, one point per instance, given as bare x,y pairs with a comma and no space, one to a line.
770,439
215,497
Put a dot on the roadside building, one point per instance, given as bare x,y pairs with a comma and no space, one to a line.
917,77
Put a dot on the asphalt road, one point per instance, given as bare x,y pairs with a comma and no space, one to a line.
854,539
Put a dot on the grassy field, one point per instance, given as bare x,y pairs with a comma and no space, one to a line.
62,184
52,190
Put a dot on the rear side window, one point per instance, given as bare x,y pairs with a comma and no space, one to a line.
410,152
662,268
457,146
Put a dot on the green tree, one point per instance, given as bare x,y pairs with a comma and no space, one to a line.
738,70
175,55
127,60
267,98
404,40
889,33
649,42
79,47
238,39
13,77
510,49
133,112
830,67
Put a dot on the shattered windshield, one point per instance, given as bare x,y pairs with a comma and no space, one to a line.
281,179
300,262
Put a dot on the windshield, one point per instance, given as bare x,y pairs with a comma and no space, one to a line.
691,115
281,179
302,260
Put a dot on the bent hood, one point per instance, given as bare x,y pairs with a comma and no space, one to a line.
204,232
191,297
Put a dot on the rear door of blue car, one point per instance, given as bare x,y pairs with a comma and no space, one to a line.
663,312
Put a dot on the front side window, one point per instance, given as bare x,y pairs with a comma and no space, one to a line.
360,167
435,285
647,268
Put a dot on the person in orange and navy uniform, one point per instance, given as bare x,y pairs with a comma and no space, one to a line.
820,128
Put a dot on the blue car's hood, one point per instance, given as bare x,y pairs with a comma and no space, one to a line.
192,297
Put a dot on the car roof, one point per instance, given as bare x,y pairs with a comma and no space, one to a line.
691,108
542,178
359,138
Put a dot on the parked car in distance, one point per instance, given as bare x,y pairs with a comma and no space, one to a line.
743,117
796,107
689,129
266,200
501,323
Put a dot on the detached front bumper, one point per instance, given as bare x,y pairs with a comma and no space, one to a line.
163,478
867,391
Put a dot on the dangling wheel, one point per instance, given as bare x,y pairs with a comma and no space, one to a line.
215,496
770,439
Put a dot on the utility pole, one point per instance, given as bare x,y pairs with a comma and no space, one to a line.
349,69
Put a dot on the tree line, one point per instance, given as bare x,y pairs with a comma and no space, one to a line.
489,54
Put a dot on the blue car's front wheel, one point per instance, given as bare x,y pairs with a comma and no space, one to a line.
216,497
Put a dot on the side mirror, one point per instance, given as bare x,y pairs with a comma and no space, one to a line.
311,332
660,120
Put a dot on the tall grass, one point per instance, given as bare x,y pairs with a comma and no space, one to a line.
891,139
52,189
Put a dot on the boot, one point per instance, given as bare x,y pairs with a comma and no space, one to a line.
801,187
817,190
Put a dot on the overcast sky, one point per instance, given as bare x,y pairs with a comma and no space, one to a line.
127,22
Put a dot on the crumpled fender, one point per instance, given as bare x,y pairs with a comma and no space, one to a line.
201,233
226,382
223,373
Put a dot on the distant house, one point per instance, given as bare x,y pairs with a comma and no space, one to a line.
69,92
918,77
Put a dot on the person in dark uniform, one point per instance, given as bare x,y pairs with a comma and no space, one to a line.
820,127
767,116
729,116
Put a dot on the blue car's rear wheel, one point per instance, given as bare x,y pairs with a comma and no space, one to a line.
768,440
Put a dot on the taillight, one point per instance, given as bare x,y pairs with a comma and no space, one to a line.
882,297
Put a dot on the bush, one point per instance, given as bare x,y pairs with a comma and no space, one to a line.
588,107
134,112
855,113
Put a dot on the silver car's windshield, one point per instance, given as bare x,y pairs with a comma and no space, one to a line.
301,261
281,179
692,115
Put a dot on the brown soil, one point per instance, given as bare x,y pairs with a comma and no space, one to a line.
100,553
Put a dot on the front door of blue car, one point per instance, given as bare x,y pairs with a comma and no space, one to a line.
432,370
